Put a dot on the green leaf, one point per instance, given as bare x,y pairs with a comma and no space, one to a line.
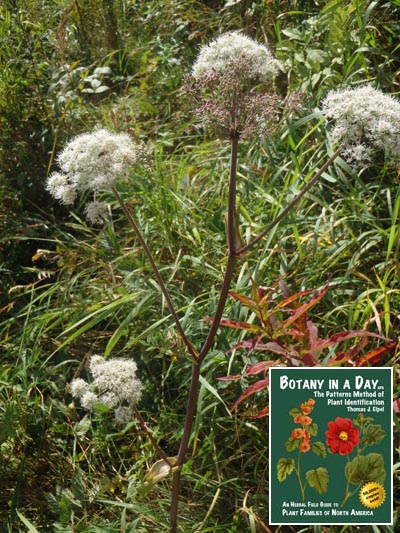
318,479
362,420
319,449
372,434
316,57
83,426
9,422
312,429
284,468
292,444
294,412
214,392
29,525
366,468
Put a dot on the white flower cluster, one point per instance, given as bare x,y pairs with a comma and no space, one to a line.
97,212
366,121
228,87
95,161
220,55
114,385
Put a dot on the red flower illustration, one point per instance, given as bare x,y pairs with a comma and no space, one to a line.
342,436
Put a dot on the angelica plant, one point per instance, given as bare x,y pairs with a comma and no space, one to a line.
114,385
232,93
365,121
231,83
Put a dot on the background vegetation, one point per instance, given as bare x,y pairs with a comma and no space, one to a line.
68,290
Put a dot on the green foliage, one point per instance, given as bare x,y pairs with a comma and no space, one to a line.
284,468
318,479
68,291
368,467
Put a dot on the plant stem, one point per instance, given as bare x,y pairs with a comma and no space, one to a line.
198,357
173,514
291,204
146,429
157,274
233,254
194,384
299,477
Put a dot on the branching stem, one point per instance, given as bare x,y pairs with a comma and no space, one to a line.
153,441
291,204
198,357
157,274
194,384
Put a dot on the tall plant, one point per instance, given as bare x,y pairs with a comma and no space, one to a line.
231,85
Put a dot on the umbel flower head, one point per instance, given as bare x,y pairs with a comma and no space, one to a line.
95,162
229,82
366,122
114,385
221,56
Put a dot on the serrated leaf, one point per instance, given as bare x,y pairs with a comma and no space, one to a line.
362,420
284,468
318,479
319,449
372,434
366,468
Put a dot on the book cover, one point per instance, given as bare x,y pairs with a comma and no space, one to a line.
330,446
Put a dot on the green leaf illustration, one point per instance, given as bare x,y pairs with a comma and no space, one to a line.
366,468
295,412
284,468
372,434
362,420
313,429
318,479
292,444
319,449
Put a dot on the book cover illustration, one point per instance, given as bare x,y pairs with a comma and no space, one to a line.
330,446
